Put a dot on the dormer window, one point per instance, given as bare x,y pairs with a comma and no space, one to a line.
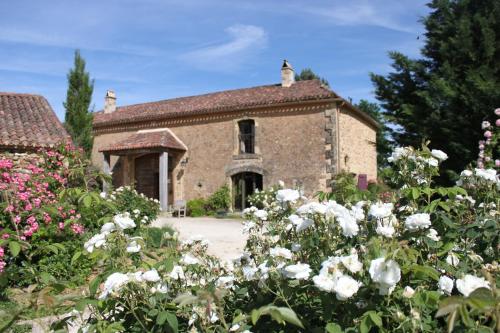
247,136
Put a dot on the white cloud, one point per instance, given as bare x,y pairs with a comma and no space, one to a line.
245,40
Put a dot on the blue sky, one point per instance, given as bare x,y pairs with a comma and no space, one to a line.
150,50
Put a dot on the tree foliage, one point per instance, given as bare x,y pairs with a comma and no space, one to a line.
308,74
78,117
453,87
384,146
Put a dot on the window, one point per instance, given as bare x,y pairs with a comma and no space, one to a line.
247,136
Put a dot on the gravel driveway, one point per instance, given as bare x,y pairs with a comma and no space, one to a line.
225,235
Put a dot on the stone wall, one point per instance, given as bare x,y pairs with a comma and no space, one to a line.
357,149
289,147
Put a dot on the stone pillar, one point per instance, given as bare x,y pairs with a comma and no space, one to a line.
106,169
163,181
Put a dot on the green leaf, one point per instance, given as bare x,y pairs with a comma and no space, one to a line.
46,278
172,322
464,315
161,318
426,271
333,328
415,193
481,299
365,325
14,248
290,316
255,315
449,305
94,284
75,257
87,201
375,318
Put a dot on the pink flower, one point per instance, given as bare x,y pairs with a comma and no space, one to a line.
2,265
497,112
2,252
5,164
497,122
37,202
22,238
5,236
28,207
61,225
46,218
77,228
497,163
17,219
487,134
9,209
480,165
481,147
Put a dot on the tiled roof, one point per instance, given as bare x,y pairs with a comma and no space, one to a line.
28,122
229,100
152,139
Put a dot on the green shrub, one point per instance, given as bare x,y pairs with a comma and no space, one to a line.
219,200
142,209
196,207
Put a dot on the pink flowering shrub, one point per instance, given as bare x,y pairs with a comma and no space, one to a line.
32,211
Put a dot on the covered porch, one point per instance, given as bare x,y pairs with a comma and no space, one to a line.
146,160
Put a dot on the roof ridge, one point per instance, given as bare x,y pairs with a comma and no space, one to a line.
6,93
209,93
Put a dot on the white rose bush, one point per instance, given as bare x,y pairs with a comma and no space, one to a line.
423,259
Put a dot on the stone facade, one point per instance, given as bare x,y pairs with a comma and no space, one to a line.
303,145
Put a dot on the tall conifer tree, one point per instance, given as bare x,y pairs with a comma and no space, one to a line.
78,117
445,95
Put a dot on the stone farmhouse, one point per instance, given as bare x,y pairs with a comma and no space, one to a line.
27,123
184,148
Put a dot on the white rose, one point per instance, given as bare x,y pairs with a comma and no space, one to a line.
177,273
300,223
466,173
133,247
287,195
408,292
324,282
123,221
280,252
386,273
452,259
249,272
352,263
348,225
225,282
95,242
470,283
311,208
433,234
108,227
114,283
418,221
151,276
298,271
445,284
261,214
346,287
381,210
439,154
189,259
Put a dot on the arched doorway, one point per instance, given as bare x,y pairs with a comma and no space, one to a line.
244,185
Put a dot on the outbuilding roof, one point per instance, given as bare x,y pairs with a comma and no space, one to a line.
28,122
146,140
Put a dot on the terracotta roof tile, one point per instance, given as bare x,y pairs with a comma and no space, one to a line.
28,121
229,100
141,140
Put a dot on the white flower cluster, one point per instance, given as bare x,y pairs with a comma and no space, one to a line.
472,178
120,222
385,219
116,281
333,276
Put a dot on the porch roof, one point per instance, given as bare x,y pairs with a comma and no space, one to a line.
146,140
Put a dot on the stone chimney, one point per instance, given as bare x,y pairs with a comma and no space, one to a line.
110,102
287,74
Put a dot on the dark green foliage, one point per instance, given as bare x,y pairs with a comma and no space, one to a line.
445,95
308,74
78,117
384,146
196,207
219,200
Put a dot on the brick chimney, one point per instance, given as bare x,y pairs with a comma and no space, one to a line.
110,102
287,74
